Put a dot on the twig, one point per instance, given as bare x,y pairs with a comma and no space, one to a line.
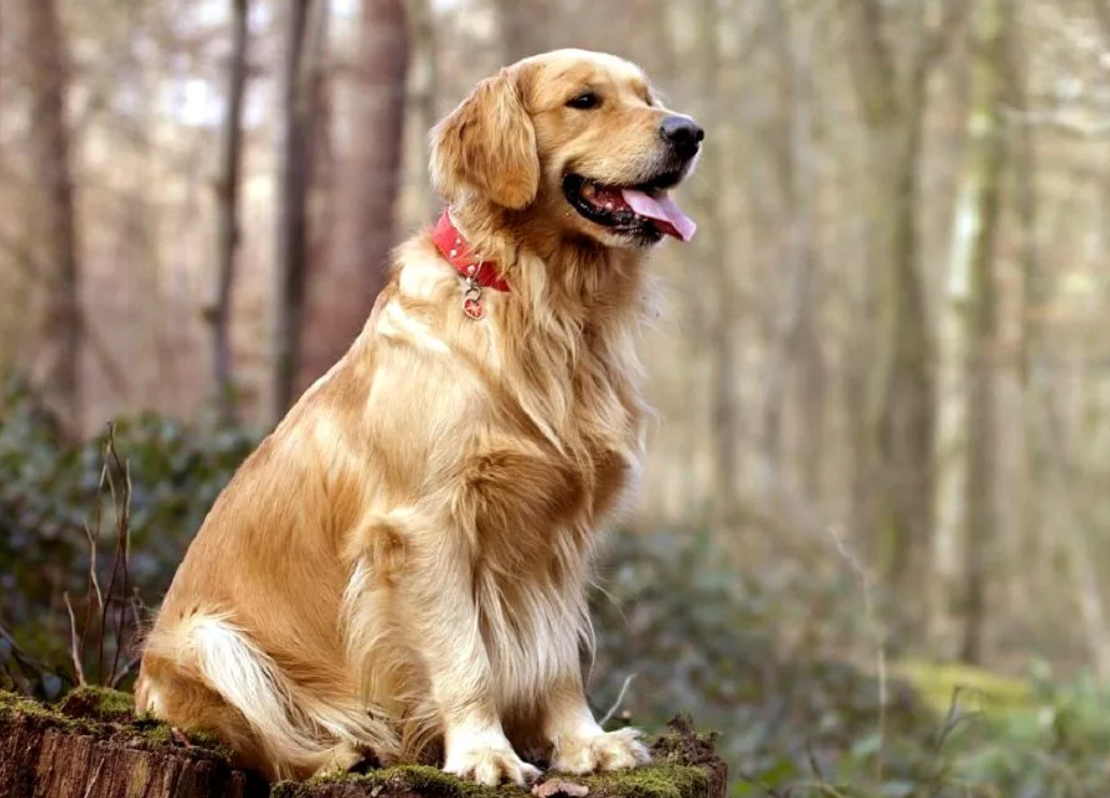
94,581
767,788
814,765
23,660
123,542
104,479
121,508
826,789
952,719
880,654
76,648
620,699
125,671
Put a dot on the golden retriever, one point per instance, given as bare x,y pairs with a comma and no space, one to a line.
399,570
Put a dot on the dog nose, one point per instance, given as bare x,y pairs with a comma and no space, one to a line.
682,133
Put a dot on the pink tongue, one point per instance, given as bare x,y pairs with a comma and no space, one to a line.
665,210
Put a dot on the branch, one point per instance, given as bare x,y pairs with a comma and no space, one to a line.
1062,121
620,700
75,646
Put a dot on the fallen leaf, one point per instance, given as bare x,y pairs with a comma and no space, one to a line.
553,787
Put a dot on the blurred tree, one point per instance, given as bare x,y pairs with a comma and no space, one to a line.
720,289
295,173
425,63
892,403
965,443
794,322
342,288
53,217
526,28
227,201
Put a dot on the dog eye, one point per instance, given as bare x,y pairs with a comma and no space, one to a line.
585,101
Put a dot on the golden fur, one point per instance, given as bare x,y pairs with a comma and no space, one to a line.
400,566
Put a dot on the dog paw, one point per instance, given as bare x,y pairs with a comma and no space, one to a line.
491,765
339,760
617,750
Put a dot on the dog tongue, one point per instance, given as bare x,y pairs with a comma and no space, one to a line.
663,210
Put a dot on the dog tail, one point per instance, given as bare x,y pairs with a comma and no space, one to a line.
297,733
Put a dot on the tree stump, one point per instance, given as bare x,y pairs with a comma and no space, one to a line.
93,746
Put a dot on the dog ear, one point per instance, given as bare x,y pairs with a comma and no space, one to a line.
488,145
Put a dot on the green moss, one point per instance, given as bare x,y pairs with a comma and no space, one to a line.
108,714
654,781
422,779
99,703
13,706
979,688
158,733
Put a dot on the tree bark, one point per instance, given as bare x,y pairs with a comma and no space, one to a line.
227,219
965,441
891,397
343,289
526,28
295,169
59,371
797,179
719,301
44,754
425,58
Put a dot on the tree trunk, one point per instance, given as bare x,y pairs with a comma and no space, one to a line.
965,441
796,177
526,28
891,396
83,751
227,219
425,59
343,289
902,415
1034,297
295,169
54,217
720,290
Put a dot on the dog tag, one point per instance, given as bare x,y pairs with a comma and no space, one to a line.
473,308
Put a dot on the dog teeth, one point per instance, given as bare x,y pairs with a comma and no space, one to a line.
589,190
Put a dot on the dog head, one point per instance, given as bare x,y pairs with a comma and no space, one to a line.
576,137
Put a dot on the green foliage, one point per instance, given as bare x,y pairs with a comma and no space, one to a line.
704,640
50,493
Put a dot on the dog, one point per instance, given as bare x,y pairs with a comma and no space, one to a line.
400,567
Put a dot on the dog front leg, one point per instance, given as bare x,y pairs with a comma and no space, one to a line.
580,744
447,633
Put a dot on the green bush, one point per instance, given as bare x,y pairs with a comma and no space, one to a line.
794,721
50,493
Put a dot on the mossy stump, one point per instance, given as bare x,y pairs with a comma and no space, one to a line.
93,746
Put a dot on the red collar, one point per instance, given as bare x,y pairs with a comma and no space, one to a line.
453,247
